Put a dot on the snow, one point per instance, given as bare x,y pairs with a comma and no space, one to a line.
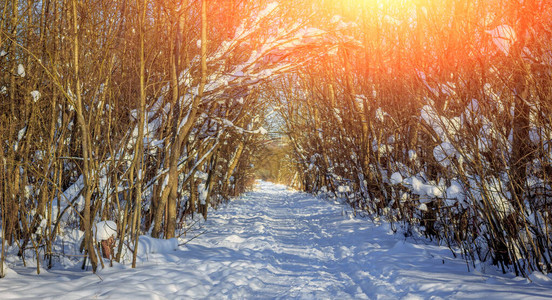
35,95
391,20
380,114
148,245
269,8
335,19
396,178
412,155
276,243
21,70
104,230
443,153
262,131
431,117
203,193
455,192
343,189
503,37
422,207
79,203
21,133
498,196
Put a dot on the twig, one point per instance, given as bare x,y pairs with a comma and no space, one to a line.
199,234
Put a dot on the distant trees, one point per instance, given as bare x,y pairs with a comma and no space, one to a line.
436,115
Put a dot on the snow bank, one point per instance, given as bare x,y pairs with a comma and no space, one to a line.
147,245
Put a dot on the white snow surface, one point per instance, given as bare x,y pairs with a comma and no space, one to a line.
276,243
104,230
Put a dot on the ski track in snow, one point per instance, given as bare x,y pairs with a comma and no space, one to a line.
275,243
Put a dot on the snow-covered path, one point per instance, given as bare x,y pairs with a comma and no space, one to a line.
279,244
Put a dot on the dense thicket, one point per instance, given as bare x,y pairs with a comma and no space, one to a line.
142,113
436,115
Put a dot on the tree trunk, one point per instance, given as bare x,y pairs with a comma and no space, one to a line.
185,130
86,173
233,164
139,150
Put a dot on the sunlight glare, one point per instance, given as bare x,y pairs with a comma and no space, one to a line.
362,8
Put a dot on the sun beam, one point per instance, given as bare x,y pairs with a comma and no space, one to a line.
354,9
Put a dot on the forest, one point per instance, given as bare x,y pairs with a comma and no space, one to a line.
139,117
